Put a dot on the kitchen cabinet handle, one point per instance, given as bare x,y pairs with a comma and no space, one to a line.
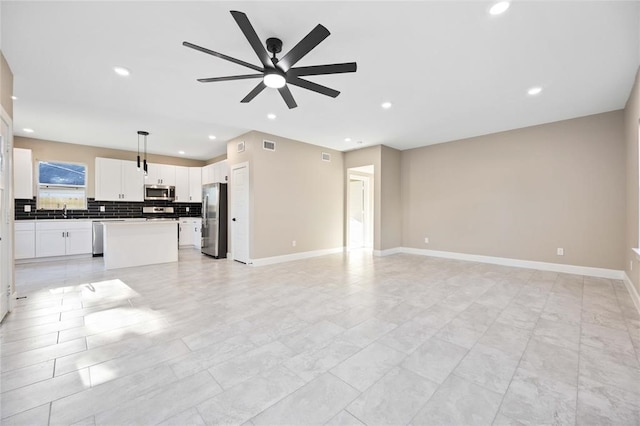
67,234
63,235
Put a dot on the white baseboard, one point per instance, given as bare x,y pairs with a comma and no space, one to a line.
632,291
388,252
294,256
530,264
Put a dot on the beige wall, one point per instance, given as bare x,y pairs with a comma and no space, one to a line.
294,195
631,123
43,150
390,199
6,86
216,159
521,194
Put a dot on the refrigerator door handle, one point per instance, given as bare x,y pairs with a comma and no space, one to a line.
205,210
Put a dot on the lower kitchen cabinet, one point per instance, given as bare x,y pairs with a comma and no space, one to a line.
190,232
63,238
25,240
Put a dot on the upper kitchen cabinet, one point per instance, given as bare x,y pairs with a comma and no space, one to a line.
216,172
160,174
22,173
188,184
195,184
118,180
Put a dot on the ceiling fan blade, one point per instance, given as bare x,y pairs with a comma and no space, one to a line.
222,56
305,45
252,37
230,78
252,94
288,97
324,69
306,84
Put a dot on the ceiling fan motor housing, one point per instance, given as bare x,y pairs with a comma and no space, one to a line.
274,45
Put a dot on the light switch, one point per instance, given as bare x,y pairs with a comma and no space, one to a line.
27,208
102,208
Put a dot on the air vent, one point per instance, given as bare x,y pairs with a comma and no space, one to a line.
269,145
241,146
326,156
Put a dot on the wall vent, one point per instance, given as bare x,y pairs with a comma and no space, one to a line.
241,146
326,156
268,145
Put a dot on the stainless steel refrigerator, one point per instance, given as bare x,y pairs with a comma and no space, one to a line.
214,220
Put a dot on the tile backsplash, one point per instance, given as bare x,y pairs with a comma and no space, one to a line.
113,210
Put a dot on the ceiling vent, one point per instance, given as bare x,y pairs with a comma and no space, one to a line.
241,146
326,156
268,145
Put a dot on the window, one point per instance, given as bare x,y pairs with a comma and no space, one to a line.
62,184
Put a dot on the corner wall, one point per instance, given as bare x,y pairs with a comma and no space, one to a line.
522,194
293,195
6,86
632,139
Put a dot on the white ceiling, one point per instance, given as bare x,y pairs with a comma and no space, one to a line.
450,69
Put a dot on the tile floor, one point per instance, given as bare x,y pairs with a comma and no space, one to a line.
338,340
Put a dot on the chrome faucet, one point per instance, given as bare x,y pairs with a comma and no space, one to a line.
64,211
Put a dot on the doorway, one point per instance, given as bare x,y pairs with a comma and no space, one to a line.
360,208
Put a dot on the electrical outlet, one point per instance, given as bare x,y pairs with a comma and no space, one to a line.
27,208
560,251
293,243
426,240
187,209
102,208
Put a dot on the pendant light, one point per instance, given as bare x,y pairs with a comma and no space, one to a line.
144,164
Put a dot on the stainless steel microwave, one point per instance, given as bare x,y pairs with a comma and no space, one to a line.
159,192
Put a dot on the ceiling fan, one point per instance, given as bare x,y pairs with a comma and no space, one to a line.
277,73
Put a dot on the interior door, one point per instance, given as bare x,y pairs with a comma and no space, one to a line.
240,213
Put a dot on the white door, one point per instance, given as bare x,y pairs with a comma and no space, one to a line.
240,212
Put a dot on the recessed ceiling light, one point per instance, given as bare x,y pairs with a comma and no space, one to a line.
499,8
15,98
212,137
181,152
386,105
347,139
121,71
534,91
27,130
271,116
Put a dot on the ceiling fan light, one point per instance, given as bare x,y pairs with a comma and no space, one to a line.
274,80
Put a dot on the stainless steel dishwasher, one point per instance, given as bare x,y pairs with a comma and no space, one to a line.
98,244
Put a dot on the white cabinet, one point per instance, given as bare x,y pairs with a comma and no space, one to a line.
216,172
208,174
118,180
182,184
190,232
195,184
22,173
25,240
160,174
188,184
62,238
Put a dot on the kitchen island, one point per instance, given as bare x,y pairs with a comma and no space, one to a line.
139,243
